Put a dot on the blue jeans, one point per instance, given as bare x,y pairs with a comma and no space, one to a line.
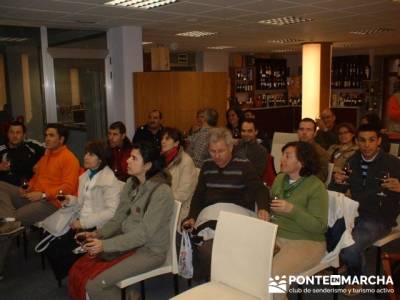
365,233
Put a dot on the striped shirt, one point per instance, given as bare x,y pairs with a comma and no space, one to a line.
236,183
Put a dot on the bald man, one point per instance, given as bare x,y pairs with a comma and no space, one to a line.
326,134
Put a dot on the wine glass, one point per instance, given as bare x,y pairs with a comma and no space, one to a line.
274,197
81,240
24,184
7,159
347,170
383,175
60,196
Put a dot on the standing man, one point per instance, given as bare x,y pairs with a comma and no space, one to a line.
306,133
151,131
374,183
248,147
326,135
58,169
120,147
198,142
18,156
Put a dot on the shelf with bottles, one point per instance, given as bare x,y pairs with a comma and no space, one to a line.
242,80
271,74
278,99
354,99
349,72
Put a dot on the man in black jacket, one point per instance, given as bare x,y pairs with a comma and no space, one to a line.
18,156
374,183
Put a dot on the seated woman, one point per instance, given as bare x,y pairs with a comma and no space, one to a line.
299,206
181,167
136,239
340,153
99,189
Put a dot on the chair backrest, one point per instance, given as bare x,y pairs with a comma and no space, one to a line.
279,140
394,149
171,255
330,171
242,253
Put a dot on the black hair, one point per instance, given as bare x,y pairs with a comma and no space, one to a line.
238,112
251,121
159,113
17,123
174,134
120,126
150,153
369,127
211,116
309,120
100,149
62,131
373,119
308,157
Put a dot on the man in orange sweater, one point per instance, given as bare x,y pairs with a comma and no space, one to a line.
57,170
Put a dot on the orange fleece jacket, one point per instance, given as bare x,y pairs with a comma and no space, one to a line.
56,170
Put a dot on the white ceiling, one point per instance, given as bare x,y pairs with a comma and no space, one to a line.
235,21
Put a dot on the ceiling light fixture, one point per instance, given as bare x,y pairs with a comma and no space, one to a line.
285,21
142,4
285,41
220,47
285,50
147,43
195,34
371,31
12,39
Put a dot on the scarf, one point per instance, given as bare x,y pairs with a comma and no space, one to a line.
170,155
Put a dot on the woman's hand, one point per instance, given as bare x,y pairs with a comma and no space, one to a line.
188,224
392,184
262,214
94,246
340,177
281,206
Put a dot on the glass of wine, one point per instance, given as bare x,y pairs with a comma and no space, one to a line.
25,184
347,170
6,158
81,241
60,196
274,197
381,179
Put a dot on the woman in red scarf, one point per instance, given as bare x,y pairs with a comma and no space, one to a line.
181,167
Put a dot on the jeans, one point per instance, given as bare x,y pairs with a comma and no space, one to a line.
365,233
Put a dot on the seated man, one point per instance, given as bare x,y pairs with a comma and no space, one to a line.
151,131
379,203
198,142
120,150
18,156
57,170
326,135
224,179
248,147
306,133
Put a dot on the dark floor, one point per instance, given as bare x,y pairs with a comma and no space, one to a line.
25,280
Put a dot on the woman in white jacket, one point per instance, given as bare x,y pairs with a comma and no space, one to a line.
181,167
99,189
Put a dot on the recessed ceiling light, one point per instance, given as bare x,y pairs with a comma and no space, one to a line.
143,4
147,43
12,39
195,33
285,41
285,21
220,47
371,31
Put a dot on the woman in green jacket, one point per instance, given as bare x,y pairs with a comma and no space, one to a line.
300,208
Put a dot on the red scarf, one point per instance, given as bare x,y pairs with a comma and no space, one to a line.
170,155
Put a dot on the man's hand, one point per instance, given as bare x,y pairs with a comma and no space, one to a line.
5,166
321,125
392,184
188,224
262,214
94,246
34,196
281,206
340,177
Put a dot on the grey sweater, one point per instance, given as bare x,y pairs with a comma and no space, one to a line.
140,221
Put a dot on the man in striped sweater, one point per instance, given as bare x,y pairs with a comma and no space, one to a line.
224,179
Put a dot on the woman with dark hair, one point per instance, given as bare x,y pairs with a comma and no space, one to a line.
181,167
234,119
300,208
136,239
99,189
340,153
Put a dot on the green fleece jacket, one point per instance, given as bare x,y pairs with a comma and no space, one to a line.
134,225
309,217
